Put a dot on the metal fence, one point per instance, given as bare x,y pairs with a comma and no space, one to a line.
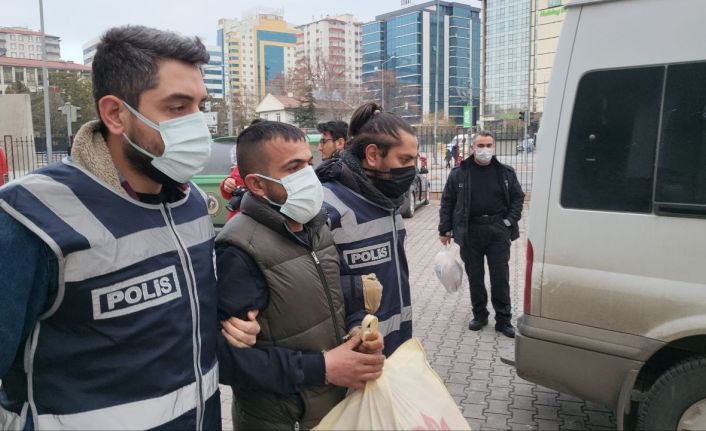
511,149
25,154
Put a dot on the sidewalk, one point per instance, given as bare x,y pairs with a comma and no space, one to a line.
488,392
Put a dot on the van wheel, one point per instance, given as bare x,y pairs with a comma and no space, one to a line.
677,400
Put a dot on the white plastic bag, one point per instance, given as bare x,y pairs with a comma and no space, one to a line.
448,269
408,396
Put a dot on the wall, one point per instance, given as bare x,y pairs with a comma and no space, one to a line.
15,116
15,124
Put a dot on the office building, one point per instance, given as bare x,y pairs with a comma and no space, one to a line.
547,20
257,50
214,73
20,42
332,47
505,57
89,50
422,58
29,71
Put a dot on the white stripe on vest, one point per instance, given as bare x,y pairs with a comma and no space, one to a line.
393,323
142,414
130,249
81,220
13,421
350,230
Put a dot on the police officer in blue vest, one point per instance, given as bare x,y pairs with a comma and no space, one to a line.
108,312
363,190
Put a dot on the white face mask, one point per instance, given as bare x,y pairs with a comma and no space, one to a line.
484,155
305,195
187,145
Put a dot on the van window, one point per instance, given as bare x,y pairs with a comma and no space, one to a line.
681,165
612,142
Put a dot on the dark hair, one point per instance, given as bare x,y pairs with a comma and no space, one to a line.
337,129
127,60
369,125
249,147
483,133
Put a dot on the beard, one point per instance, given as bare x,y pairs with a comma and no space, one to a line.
143,165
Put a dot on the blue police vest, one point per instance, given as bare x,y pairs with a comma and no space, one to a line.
130,340
370,238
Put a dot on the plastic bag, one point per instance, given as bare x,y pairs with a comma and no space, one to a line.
408,396
448,269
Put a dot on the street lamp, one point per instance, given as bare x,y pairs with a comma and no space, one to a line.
382,68
45,79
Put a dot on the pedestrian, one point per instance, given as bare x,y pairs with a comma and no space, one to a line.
108,313
277,256
449,153
232,189
333,138
480,207
455,153
363,190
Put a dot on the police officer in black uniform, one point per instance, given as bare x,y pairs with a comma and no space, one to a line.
480,208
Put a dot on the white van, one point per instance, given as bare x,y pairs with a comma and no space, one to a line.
615,295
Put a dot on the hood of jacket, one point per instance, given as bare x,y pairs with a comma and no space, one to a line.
90,151
347,170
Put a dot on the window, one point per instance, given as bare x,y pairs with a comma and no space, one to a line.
19,75
278,117
681,166
612,141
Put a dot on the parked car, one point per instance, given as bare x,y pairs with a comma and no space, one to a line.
218,166
615,289
419,191
526,144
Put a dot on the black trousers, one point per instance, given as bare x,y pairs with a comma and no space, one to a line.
492,242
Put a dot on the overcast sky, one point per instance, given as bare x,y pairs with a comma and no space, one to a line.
77,21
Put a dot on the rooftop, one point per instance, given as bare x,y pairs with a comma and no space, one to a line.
26,62
22,30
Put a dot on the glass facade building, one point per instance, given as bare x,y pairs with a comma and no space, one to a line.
214,72
506,53
401,51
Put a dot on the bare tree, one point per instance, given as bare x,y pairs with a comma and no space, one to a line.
243,105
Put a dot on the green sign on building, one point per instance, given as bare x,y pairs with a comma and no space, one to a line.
467,116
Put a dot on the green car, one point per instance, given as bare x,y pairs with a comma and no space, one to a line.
219,165
314,139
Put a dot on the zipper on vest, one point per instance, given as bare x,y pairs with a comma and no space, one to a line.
320,270
195,317
296,426
395,240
